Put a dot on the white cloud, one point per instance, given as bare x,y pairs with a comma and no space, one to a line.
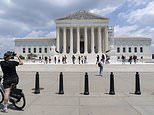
125,30
137,2
10,28
134,30
2,12
51,34
103,11
63,3
36,34
144,16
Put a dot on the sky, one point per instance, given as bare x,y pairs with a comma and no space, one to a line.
36,18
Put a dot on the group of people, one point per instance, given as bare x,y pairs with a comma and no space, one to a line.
104,57
81,59
58,59
130,59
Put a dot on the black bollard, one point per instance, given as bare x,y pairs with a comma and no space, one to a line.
61,87
86,86
112,84
37,87
137,85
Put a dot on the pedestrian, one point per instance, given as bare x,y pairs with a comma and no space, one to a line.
97,59
79,58
49,59
82,59
104,58
65,59
100,65
141,60
73,59
10,75
135,58
46,60
58,59
85,59
123,59
130,59
55,59
107,59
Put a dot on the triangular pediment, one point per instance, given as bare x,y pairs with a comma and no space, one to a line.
82,15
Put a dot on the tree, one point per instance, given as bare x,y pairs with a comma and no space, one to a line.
31,56
22,57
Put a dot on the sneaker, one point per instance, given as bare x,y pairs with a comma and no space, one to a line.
4,110
101,75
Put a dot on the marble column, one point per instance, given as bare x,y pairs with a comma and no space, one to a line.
85,40
99,40
71,39
92,39
78,40
57,39
64,40
106,38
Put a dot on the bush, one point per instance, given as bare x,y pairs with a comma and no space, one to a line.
22,57
31,56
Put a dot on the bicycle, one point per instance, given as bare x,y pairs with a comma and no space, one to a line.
17,97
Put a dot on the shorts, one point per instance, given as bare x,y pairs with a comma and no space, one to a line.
8,83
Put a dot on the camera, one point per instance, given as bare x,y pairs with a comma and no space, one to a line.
13,54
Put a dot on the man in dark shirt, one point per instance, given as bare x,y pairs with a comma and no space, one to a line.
9,75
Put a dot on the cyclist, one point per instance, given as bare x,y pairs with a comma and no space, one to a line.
10,76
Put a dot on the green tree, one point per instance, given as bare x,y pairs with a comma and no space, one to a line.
31,56
22,57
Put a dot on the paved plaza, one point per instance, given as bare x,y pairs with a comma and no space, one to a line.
98,102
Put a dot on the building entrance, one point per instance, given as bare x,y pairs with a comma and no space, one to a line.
81,46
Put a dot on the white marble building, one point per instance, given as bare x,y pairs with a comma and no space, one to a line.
87,34
129,46
42,47
82,32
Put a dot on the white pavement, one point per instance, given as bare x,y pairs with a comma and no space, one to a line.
99,102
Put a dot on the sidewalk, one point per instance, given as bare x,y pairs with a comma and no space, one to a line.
99,102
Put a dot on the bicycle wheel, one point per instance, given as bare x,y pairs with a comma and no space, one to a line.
21,103
1,96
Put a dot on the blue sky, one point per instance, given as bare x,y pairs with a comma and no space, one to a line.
35,18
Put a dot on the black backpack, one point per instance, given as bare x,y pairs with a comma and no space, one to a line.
99,64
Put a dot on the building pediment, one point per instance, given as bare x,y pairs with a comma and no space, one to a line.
82,15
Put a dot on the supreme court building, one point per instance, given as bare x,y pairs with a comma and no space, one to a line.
83,33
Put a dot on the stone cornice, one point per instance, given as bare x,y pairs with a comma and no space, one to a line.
81,23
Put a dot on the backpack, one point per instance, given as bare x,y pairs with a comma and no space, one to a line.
99,64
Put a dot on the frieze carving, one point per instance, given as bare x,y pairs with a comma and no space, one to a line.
82,14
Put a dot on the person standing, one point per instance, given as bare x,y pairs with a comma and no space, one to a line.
55,59
135,58
10,75
130,59
123,59
79,58
100,65
65,59
73,59
97,59
85,59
